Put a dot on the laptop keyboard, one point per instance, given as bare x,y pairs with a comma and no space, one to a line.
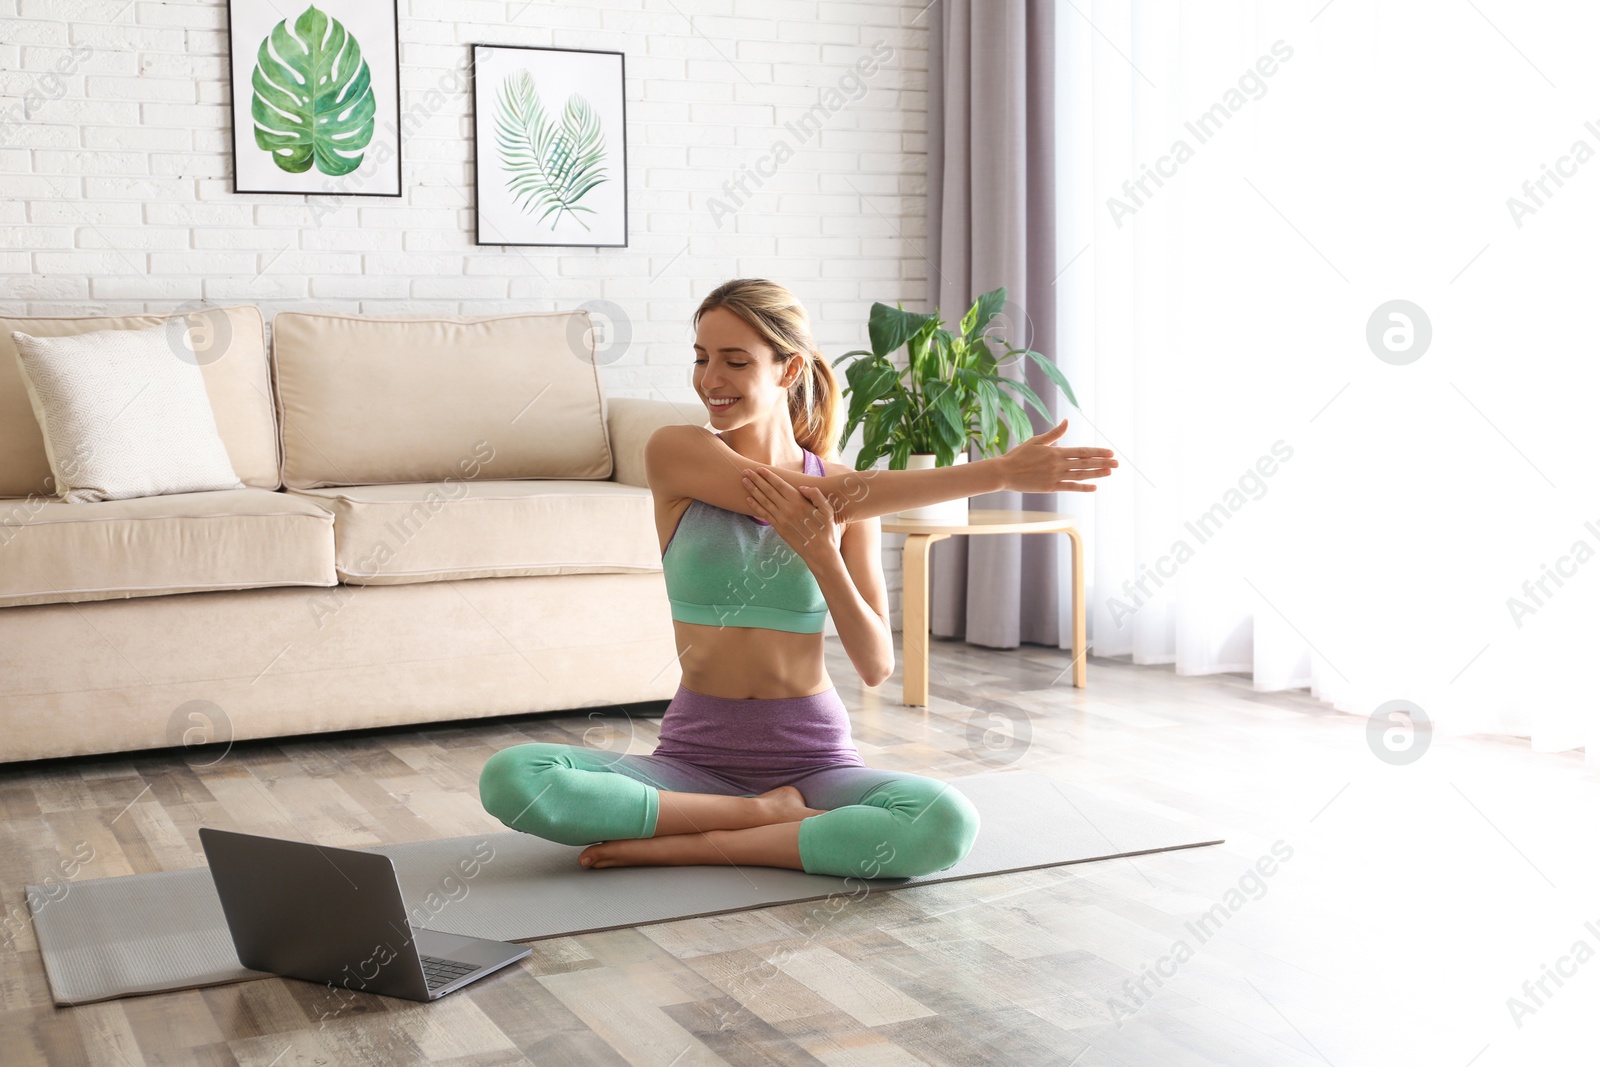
440,972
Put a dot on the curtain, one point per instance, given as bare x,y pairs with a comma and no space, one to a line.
992,196
1324,279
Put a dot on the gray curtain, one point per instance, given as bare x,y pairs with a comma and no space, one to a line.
992,222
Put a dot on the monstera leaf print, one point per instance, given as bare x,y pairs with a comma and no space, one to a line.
549,168
313,98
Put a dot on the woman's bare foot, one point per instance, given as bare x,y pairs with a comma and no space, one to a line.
674,850
786,804
689,813
773,845
769,841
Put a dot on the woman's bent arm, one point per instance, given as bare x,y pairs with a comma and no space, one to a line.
863,632
852,581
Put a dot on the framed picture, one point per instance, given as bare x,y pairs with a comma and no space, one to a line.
316,96
551,154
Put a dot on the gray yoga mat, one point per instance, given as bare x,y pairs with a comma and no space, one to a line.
150,933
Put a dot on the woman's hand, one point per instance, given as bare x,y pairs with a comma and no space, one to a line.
801,515
1038,466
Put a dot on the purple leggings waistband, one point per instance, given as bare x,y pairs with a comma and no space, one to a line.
778,735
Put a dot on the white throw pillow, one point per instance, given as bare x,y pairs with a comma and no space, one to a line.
124,413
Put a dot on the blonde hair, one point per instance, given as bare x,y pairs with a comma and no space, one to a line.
774,313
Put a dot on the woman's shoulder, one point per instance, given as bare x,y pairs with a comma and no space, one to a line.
833,466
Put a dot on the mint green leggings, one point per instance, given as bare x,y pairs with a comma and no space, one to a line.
876,823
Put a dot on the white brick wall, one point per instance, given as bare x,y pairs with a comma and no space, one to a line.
115,166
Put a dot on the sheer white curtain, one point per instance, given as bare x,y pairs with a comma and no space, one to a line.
1248,188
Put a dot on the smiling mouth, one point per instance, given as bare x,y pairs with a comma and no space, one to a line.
716,403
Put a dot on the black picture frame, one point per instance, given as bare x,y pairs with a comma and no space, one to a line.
352,184
478,168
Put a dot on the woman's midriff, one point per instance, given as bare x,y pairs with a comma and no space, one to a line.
745,662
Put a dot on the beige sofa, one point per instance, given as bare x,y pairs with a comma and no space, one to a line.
442,519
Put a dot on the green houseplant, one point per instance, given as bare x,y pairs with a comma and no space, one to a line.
948,395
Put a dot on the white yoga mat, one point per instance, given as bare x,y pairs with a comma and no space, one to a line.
151,933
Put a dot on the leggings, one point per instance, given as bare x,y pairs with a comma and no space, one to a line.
875,823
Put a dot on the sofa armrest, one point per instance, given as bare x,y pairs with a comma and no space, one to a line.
629,423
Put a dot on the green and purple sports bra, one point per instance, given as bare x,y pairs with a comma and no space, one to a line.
726,568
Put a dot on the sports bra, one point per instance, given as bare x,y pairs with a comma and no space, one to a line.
726,568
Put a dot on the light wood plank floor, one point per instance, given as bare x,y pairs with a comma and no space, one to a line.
1401,908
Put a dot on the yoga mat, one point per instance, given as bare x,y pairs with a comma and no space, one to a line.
150,933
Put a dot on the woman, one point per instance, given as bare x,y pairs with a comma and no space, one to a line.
762,536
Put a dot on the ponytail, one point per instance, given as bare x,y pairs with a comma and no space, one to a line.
814,406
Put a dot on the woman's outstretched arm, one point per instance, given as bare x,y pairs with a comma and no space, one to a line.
690,461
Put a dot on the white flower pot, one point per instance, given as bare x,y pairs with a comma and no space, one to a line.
949,512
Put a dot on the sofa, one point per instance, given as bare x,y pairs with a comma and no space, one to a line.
439,519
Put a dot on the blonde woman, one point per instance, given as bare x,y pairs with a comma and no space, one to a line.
763,534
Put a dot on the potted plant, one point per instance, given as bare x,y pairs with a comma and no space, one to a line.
948,395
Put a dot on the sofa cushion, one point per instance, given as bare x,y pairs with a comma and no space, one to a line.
124,413
55,552
425,532
367,401
232,353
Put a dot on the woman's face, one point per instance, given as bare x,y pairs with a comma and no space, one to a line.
733,363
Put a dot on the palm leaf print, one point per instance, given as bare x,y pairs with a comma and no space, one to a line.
549,168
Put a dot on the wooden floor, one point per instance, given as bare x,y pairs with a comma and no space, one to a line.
1402,907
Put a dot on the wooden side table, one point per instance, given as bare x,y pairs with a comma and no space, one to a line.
920,536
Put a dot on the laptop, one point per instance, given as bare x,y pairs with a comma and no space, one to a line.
336,915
